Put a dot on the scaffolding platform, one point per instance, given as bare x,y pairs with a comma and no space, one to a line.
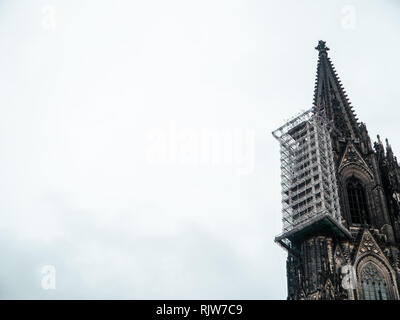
310,198
319,224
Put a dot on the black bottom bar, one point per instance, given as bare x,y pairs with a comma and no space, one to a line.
190,309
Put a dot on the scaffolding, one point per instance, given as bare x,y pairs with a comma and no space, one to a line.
309,186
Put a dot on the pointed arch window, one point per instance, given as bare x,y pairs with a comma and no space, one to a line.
373,284
357,201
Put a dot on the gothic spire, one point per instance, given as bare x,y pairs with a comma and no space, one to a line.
330,96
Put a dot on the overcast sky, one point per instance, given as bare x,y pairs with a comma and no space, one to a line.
113,118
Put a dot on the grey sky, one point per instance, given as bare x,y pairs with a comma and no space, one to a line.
84,85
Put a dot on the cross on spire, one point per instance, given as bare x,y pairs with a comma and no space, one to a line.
322,48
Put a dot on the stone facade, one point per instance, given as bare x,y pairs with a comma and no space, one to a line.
367,264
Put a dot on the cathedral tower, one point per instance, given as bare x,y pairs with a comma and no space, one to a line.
340,200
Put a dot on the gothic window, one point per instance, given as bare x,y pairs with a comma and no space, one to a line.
373,285
357,201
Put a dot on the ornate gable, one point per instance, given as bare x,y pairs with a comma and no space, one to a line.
368,246
351,156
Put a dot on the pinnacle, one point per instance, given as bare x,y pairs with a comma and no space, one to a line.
322,48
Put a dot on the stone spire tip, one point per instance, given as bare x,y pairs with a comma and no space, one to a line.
322,48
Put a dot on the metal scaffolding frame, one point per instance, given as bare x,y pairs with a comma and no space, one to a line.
309,186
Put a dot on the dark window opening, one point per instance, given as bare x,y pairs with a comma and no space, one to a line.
357,201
